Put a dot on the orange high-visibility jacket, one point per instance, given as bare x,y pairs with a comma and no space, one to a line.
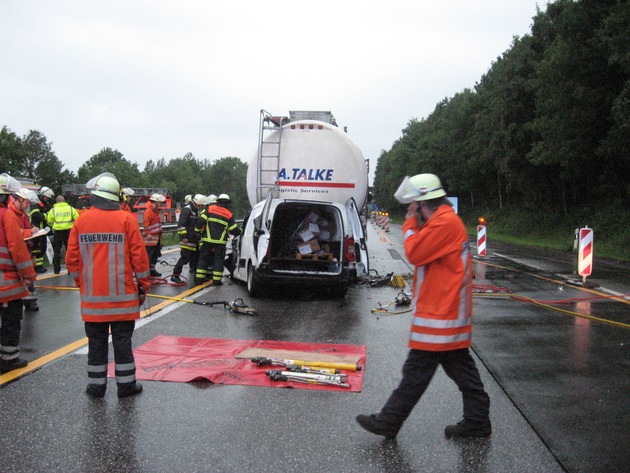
442,283
15,260
152,227
105,249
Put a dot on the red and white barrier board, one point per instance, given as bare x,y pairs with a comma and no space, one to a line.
585,252
481,240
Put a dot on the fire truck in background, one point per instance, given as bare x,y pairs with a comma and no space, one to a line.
138,202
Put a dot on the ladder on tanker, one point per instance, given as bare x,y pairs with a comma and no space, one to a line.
268,154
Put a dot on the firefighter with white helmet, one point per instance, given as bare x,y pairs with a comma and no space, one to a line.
125,193
215,222
108,262
188,240
16,273
436,242
38,219
152,233
21,204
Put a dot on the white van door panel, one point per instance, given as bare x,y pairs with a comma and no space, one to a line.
354,217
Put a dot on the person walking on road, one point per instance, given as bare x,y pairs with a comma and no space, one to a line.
16,273
188,240
152,233
436,243
39,211
61,218
215,222
105,250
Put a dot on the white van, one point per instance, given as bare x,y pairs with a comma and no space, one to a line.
300,243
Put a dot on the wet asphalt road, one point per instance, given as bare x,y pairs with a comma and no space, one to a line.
558,384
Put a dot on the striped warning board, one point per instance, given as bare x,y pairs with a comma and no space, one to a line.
481,240
585,252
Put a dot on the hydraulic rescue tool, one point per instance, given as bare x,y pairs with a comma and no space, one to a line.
236,306
262,361
309,378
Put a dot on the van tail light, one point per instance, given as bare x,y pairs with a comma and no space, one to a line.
348,244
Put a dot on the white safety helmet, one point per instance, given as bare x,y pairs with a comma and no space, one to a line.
47,191
199,199
211,199
8,185
419,187
128,191
223,198
157,198
27,194
188,199
105,185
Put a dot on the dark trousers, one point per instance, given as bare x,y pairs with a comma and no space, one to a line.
206,260
125,367
11,320
154,253
39,250
60,238
186,257
418,370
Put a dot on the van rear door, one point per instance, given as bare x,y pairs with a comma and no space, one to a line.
262,230
358,233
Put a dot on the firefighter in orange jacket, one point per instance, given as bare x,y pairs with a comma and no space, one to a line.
436,243
16,274
152,233
21,204
105,250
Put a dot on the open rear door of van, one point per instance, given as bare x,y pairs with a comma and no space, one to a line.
360,238
261,228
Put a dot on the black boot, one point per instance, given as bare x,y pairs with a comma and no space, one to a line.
469,428
155,274
176,279
372,423
131,389
10,365
96,390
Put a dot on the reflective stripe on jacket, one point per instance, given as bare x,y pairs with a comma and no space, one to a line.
442,286
105,249
217,222
15,260
62,216
152,227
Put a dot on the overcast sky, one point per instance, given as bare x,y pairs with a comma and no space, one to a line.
158,79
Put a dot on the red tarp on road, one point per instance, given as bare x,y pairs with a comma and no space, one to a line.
182,359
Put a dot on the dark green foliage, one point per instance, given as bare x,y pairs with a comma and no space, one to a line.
545,132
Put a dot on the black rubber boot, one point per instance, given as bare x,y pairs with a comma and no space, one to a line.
130,389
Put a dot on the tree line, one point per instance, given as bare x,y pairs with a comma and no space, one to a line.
32,157
546,128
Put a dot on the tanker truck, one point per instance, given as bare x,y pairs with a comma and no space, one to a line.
306,183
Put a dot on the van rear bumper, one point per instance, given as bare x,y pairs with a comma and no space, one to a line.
297,279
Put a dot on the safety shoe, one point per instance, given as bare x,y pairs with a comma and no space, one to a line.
176,279
217,283
10,365
377,426
31,306
96,391
129,389
155,274
469,428
40,269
